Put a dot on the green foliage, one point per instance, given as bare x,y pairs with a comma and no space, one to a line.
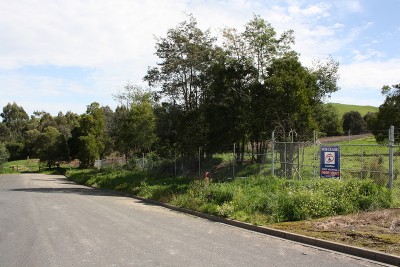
282,201
293,90
328,120
388,114
89,138
5,133
89,150
134,126
51,146
16,150
4,155
353,122
16,120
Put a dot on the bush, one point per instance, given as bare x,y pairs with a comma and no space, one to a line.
218,193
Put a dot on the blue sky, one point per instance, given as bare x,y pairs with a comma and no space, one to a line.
60,55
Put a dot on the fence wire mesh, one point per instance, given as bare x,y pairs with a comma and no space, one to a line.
362,159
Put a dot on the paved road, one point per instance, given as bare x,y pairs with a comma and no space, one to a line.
49,221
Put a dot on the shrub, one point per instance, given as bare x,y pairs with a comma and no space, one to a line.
218,193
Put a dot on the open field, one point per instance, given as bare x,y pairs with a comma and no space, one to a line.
29,165
343,108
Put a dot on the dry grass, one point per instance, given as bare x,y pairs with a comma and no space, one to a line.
377,230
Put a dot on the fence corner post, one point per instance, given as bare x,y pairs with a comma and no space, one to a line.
391,145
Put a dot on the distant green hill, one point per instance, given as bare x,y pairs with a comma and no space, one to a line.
343,108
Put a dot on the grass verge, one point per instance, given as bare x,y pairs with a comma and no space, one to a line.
257,199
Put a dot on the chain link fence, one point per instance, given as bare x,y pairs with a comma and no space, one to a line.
358,159
361,158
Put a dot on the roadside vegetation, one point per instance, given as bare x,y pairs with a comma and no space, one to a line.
256,199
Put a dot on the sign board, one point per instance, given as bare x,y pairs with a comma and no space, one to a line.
330,161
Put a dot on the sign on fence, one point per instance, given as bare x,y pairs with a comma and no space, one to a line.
330,161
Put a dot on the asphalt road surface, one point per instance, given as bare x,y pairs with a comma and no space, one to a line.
49,221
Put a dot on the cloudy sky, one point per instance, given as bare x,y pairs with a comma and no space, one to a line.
61,55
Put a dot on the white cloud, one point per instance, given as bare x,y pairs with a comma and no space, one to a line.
370,74
82,33
353,6
368,54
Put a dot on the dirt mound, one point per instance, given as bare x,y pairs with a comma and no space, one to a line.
376,230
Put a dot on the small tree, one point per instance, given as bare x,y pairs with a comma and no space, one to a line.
328,120
353,122
88,150
51,146
134,128
89,137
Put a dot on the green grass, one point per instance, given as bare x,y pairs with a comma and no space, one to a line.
257,199
132,182
28,165
343,108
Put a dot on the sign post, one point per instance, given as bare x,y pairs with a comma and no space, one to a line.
330,161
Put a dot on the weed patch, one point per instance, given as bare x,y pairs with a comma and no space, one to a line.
257,199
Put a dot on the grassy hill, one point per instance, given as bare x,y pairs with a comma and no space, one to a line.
343,108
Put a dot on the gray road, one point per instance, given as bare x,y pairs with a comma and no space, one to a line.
49,221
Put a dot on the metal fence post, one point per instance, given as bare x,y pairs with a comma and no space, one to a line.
314,154
199,162
391,145
298,161
285,160
175,162
234,160
273,154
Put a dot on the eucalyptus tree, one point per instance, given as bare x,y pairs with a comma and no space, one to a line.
88,138
296,93
185,55
134,123
227,102
51,146
16,120
255,49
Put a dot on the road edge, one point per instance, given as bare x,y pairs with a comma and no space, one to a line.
325,244
330,245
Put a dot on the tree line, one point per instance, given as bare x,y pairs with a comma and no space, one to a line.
204,92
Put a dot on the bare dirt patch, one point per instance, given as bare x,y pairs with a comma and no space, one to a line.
376,230
336,139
